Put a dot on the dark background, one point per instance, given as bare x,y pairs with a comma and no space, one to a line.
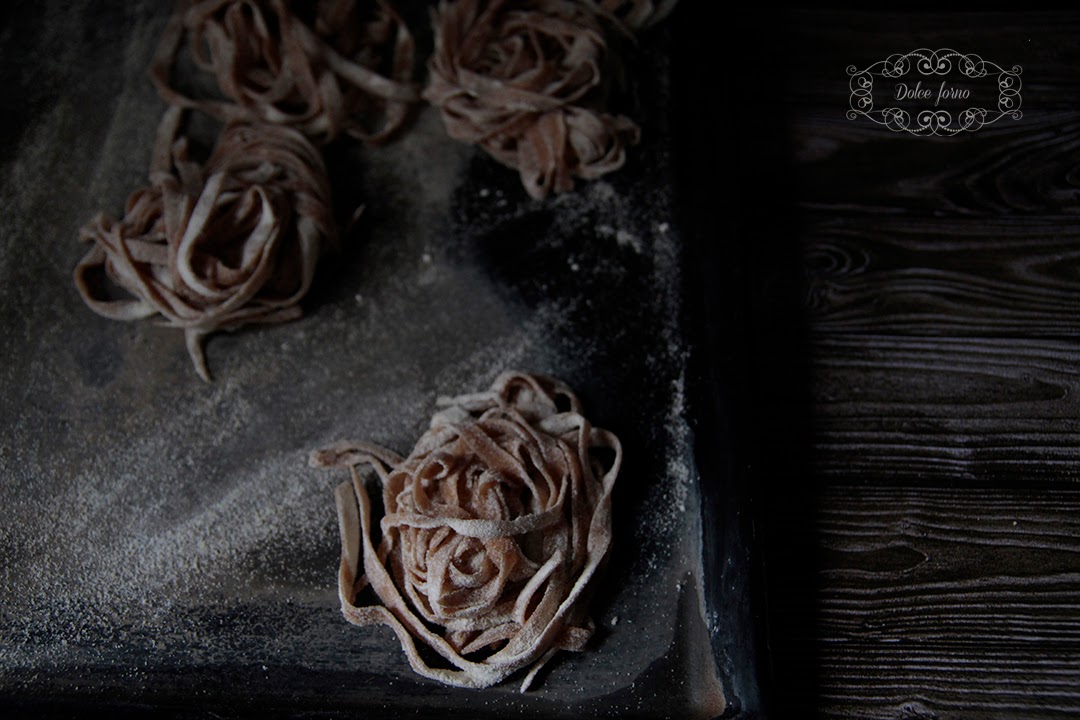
895,333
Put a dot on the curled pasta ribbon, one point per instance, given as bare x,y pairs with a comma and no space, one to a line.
526,82
495,526
214,247
324,68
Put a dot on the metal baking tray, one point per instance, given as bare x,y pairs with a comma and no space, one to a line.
163,543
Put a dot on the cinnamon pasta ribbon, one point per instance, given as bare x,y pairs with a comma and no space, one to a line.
495,527
526,81
325,68
209,248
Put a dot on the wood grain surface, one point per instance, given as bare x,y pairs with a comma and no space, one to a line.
948,602
912,354
954,277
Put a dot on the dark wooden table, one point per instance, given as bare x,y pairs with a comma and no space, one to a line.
903,316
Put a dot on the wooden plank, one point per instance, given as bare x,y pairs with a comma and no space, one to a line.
937,452
1025,169
815,47
940,681
995,410
1013,166
966,566
1017,278
938,601
976,379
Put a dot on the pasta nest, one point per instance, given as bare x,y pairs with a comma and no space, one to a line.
495,526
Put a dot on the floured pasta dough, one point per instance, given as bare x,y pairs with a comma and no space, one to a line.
214,247
324,68
495,526
527,82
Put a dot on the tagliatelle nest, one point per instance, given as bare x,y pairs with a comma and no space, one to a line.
209,248
324,67
527,81
495,526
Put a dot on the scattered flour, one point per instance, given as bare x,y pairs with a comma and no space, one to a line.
152,519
